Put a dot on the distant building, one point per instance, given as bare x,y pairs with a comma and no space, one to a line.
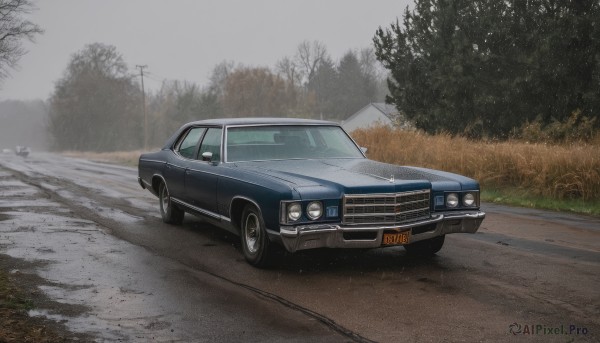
374,114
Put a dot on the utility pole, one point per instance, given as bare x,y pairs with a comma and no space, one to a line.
144,106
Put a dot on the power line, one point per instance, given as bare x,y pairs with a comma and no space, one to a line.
155,75
149,76
141,67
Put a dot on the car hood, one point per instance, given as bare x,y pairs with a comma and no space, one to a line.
356,176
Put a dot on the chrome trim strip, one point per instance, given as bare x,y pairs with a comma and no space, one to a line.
306,229
379,195
283,124
312,236
367,205
362,215
246,199
297,159
383,202
200,210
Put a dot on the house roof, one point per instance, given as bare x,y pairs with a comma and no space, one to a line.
387,109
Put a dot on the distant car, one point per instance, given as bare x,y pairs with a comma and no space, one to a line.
22,151
303,184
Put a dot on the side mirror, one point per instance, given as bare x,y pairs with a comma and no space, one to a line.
363,149
207,156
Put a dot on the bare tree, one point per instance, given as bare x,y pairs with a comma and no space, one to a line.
219,76
287,68
255,91
309,56
373,70
13,29
369,64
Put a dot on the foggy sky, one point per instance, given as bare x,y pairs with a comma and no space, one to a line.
185,39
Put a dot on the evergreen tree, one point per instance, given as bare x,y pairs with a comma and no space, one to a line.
484,67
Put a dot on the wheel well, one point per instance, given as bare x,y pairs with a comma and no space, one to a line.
156,183
237,207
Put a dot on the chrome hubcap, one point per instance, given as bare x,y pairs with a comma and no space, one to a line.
252,233
165,199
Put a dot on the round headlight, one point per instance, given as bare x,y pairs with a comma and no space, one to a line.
314,210
452,200
294,211
468,199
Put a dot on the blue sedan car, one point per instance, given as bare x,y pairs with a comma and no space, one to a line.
303,184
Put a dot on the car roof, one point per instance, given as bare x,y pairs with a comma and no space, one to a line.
260,121
224,122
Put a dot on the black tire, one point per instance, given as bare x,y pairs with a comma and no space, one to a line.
427,247
255,241
170,213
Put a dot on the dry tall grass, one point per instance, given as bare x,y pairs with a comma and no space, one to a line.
561,172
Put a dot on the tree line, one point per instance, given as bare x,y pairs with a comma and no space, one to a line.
482,68
97,105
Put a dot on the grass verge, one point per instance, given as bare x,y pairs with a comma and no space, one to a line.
18,295
10,296
521,198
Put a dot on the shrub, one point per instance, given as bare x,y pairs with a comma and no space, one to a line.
575,129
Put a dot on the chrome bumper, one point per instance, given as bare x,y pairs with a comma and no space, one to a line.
303,237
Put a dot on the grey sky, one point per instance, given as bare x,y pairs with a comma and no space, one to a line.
185,39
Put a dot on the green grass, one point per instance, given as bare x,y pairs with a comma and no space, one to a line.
517,197
10,296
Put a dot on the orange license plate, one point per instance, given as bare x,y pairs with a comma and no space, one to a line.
396,238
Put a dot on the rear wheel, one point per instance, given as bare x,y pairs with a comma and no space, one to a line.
255,242
426,247
169,212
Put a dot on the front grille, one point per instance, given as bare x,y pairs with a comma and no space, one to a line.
393,208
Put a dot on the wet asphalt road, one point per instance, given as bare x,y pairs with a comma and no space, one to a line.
527,276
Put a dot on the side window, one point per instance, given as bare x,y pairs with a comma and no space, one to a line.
187,147
212,143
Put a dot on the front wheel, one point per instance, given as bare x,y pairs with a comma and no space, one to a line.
255,242
426,247
169,212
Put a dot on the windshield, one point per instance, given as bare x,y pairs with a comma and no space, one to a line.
281,142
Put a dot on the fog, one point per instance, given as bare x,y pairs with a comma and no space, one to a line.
184,40
23,123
